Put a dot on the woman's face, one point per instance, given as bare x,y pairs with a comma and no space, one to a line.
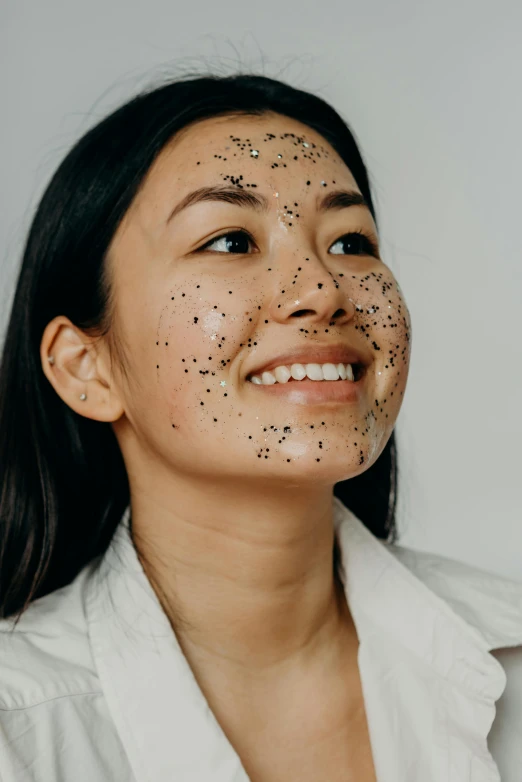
229,260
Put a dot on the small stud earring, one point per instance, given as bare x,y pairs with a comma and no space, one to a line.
83,397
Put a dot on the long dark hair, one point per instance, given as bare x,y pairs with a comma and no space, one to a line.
64,486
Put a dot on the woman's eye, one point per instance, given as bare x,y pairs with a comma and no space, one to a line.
232,242
356,242
239,243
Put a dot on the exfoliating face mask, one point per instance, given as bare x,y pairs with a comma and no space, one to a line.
268,337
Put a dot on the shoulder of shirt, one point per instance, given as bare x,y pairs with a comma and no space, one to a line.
489,602
47,655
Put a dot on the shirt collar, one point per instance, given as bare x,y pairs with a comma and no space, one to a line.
384,594
429,681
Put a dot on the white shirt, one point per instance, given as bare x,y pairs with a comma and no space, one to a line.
94,686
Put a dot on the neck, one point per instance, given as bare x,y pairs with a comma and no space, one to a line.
247,582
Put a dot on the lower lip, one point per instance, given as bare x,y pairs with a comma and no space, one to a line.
310,392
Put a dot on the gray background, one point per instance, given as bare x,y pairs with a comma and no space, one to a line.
432,92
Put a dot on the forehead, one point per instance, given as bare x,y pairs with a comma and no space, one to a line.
249,145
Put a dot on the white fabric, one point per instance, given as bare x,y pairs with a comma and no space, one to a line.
94,686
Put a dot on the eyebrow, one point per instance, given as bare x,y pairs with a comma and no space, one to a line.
337,199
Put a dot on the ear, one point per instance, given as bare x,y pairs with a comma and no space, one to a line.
80,366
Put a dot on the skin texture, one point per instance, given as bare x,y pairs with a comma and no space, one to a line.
231,513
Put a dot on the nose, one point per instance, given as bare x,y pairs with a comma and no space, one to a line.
317,299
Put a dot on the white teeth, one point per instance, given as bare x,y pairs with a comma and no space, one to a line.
283,374
298,371
314,372
330,372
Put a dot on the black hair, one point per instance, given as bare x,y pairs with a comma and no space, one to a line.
64,486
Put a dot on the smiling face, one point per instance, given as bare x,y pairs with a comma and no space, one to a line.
235,253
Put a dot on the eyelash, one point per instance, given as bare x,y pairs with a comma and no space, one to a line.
370,244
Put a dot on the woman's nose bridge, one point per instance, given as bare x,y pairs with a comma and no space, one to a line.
306,283
295,255
303,264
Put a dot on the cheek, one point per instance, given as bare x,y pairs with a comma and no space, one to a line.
199,332
383,321
383,318
205,322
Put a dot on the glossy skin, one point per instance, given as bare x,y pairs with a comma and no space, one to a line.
222,496
220,312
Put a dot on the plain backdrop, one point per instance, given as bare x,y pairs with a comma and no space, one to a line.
432,92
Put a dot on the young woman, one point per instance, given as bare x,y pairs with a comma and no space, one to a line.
202,371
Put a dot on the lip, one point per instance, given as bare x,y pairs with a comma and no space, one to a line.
316,392
327,354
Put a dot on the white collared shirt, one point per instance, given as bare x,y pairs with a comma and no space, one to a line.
94,686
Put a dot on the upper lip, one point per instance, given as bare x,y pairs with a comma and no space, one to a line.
327,354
